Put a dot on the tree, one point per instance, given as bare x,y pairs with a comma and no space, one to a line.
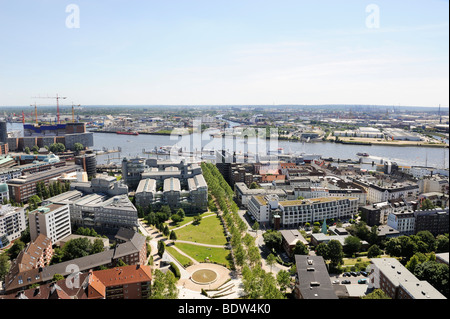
166,231
33,202
197,219
323,250
164,286
428,238
97,246
271,260
239,255
376,294
57,148
161,248
427,204
336,253
442,244
300,248
173,236
16,248
4,266
27,150
76,248
283,279
254,185
272,239
181,213
255,226
57,277
414,261
437,274
394,247
253,255
151,218
176,219
374,251
352,245
77,147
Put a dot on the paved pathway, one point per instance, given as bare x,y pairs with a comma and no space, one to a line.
187,288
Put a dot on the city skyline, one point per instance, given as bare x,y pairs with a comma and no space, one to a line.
234,53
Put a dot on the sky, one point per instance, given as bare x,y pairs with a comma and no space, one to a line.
224,52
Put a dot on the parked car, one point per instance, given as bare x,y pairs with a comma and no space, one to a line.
362,281
345,282
335,281
364,273
346,274
353,274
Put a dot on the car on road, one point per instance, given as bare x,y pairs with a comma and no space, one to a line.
345,282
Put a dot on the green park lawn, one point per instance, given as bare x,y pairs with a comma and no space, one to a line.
199,253
209,231
188,219
185,261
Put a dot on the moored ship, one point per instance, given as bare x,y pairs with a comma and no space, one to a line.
127,133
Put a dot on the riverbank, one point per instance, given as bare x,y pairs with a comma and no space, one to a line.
161,133
366,142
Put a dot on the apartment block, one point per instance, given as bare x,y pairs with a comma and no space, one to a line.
37,254
128,282
132,250
52,220
12,224
389,275
293,213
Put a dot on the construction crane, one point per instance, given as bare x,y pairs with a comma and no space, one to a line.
35,112
57,97
73,113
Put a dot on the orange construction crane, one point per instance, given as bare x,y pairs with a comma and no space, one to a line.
57,102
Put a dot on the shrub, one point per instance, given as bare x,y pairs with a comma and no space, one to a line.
175,270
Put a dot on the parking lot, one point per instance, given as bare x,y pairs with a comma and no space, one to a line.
350,278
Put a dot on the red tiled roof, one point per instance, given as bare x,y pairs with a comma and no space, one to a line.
124,275
96,289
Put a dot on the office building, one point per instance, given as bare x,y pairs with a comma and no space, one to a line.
23,187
